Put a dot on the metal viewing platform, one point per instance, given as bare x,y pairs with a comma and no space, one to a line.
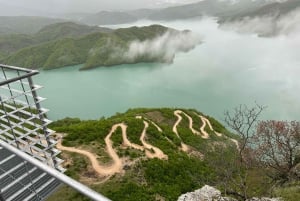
29,166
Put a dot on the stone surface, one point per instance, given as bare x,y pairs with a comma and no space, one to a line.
208,193
264,199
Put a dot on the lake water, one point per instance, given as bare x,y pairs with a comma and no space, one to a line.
226,70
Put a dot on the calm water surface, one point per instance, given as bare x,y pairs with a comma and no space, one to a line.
226,70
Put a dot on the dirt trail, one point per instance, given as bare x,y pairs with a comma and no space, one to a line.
209,125
179,118
177,113
218,134
126,142
157,152
153,123
100,169
205,135
117,164
236,143
184,147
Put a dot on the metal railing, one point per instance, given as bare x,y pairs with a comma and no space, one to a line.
29,162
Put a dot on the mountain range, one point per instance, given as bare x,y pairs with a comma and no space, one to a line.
24,24
39,42
11,43
67,43
224,10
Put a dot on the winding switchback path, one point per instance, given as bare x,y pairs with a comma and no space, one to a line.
117,165
151,151
157,152
153,123
100,169
184,147
205,135
205,120
177,113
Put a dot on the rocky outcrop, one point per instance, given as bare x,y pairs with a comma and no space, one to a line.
208,193
265,199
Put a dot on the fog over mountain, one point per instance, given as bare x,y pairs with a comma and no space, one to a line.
37,7
97,59
277,59
267,25
60,7
275,18
165,46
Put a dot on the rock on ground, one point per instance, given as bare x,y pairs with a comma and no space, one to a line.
208,193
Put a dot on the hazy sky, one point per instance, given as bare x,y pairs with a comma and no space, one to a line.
50,7
20,7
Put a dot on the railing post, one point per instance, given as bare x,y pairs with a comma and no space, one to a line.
1,197
23,127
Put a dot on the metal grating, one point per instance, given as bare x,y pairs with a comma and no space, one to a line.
29,167
23,124
20,180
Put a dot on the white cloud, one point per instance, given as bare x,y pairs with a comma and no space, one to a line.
163,47
268,25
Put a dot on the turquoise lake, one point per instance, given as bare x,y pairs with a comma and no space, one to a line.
226,70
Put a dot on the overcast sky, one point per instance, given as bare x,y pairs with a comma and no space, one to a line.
21,7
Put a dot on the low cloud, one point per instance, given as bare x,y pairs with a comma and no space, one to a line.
163,48
269,25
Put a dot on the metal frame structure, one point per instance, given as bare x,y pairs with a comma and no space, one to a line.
23,122
29,166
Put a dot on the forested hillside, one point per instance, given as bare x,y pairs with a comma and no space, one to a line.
10,43
69,44
159,154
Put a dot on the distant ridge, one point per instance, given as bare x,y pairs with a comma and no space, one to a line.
13,42
224,10
66,44
24,24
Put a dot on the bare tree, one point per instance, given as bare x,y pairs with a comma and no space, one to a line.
272,145
277,146
243,121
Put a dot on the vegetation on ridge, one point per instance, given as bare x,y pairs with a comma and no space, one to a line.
67,44
215,160
11,43
144,178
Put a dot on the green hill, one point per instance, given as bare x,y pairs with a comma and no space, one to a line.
102,48
66,29
159,154
176,163
24,24
13,42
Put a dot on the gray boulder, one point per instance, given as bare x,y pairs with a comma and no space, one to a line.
206,193
264,199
